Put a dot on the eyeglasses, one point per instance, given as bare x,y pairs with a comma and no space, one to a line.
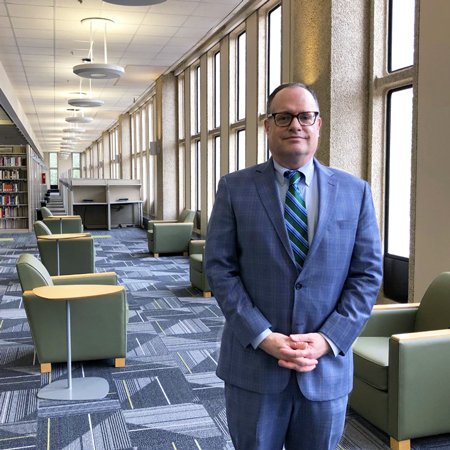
284,119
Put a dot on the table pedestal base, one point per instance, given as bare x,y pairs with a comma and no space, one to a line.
92,388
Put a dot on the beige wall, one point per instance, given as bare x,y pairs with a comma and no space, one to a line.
432,237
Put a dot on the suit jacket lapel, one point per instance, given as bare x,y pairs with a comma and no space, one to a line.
327,195
268,191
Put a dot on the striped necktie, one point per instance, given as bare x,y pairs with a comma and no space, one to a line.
296,218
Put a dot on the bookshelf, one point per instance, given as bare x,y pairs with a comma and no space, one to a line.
13,187
16,202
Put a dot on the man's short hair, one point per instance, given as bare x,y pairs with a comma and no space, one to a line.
289,85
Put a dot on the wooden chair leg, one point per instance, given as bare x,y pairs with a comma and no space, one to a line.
185,253
400,445
46,368
207,294
156,255
119,362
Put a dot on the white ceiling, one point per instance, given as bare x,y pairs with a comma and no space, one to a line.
41,41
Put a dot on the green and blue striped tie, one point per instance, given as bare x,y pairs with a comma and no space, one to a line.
296,218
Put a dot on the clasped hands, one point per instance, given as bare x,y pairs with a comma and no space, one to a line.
300,352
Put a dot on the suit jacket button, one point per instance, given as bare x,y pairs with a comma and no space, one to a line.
298,286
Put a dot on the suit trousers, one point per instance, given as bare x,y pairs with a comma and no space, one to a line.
269,421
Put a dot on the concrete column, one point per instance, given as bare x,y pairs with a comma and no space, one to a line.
330,44
125,146
432,206
166,136
95,160
106,155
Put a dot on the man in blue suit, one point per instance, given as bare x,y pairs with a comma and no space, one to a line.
292,308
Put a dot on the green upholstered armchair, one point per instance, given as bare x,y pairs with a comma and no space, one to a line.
171,236
70,224
40,229
98,324
196,270
75,255
402,367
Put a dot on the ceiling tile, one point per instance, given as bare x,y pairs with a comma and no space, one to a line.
36,51
31,2
35,12
150,40
170,20
198,22
35,42
38,24
3,10
183,8
154,30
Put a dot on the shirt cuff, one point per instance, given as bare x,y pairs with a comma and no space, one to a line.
333,346
258,339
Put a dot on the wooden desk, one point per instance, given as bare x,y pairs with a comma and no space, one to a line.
59,237
91,388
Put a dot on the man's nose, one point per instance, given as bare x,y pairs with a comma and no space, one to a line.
295,123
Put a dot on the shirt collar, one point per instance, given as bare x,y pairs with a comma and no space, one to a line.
307,170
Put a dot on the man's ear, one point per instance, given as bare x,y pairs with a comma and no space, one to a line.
266,125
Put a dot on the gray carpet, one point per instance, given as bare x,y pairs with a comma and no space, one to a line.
166,398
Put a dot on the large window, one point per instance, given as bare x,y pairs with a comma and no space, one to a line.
401,34
399,171
241,57
53,168
398,92
216,90
274,49
240,150
76,165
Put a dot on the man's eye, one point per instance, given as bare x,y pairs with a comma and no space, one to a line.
307,117
284,117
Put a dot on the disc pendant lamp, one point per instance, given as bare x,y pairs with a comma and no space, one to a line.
83,102
78,119
93,69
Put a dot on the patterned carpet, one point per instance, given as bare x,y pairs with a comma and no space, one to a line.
166,398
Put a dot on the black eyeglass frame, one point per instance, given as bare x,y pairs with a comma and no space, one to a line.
274,117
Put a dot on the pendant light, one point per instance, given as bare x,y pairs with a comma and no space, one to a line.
82,102
78,119
98,70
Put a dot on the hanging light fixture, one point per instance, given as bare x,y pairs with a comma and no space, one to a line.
82,102
78,119
134,2
96,70
74,130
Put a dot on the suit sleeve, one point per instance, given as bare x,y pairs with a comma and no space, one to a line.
223,271
363,280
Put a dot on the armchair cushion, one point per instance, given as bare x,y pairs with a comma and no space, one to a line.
41,229
196,262
371,360
46,212
32,273
170,237
69,224
76,255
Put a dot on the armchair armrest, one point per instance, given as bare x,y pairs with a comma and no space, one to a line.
384,322
172,230
196,247
109,278
152,222
419,370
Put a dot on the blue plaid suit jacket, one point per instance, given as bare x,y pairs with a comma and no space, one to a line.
251,270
